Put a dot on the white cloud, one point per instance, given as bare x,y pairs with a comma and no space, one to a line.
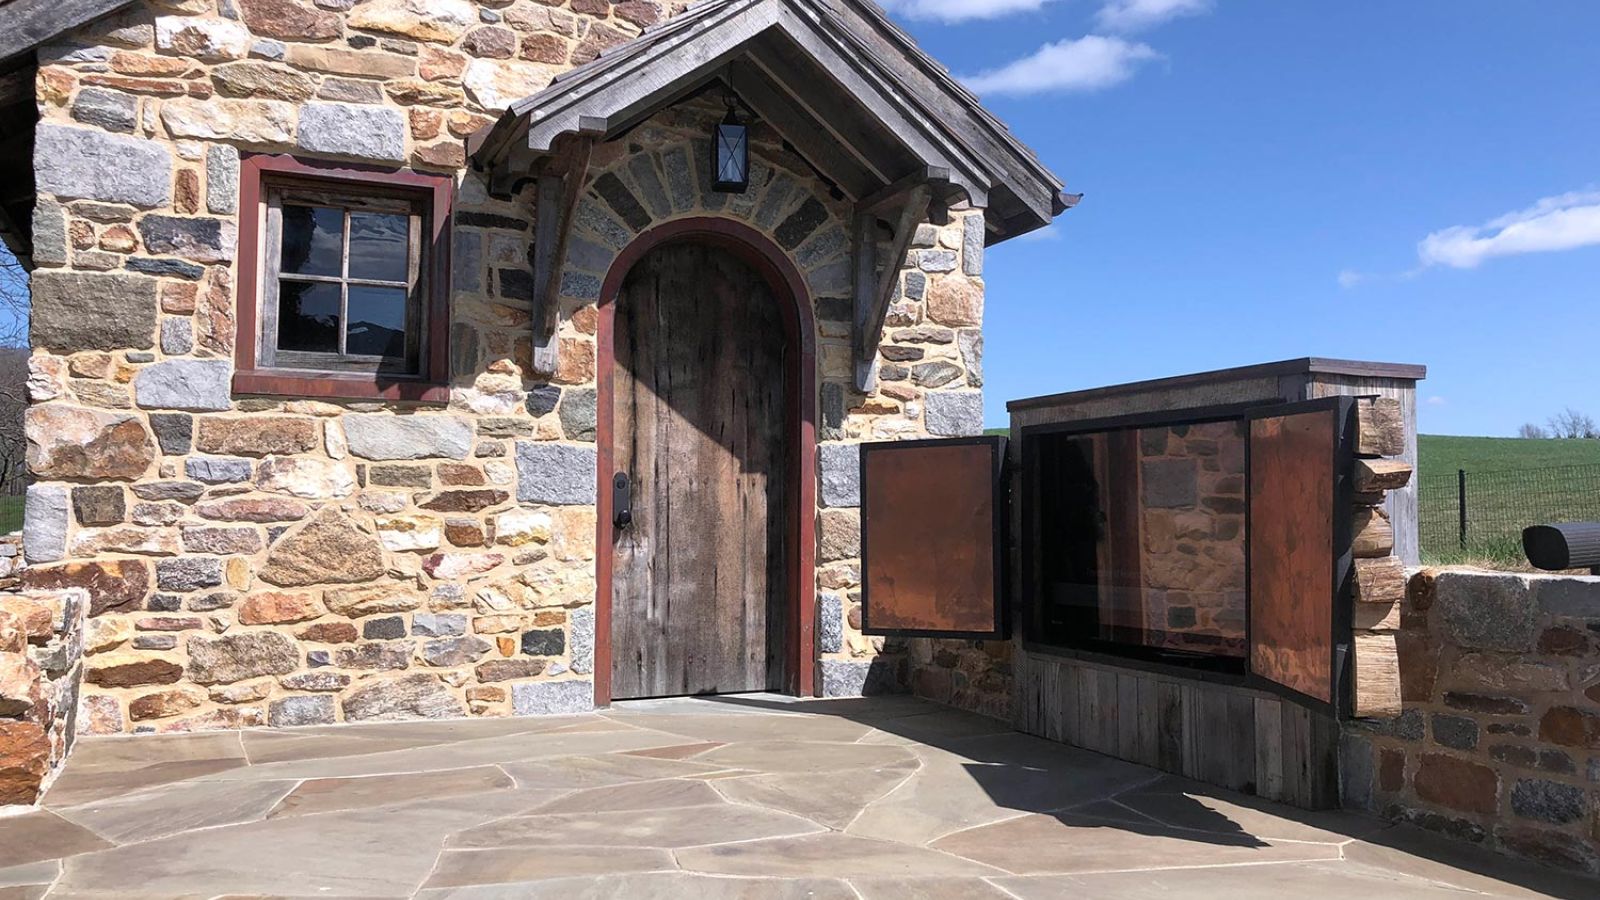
961,10
1090,63
1438,401
1136,15
1042,235
1565,222
1349,279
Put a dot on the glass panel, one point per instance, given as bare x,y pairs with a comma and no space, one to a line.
308,316
1139,539
377,321
313,240
379,246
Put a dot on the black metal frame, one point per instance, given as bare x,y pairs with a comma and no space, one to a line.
1343,574
1002,617
1241,675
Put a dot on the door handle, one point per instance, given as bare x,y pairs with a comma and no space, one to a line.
622,500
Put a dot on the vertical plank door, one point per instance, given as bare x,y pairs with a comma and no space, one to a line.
699,584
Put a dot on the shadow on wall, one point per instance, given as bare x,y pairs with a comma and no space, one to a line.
1088,792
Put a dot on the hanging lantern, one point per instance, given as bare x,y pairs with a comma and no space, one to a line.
730,156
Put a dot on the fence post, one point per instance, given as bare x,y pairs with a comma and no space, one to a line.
1461,499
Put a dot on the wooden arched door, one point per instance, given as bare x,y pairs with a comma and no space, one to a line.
700,569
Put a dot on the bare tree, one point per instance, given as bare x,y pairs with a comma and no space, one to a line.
1573,424
1532,432
14,306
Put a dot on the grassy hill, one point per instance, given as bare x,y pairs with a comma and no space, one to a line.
1445,454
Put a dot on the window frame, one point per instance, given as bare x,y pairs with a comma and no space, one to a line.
261,176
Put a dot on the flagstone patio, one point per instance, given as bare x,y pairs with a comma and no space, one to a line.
749,797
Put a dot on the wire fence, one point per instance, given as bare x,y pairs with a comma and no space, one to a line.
11,506
1468,514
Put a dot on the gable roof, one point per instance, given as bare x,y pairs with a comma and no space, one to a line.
25,24
851,93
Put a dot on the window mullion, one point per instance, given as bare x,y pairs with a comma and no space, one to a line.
344,289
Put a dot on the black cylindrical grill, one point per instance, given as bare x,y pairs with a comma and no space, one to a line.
1556,548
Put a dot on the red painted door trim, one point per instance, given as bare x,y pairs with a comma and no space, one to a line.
787,284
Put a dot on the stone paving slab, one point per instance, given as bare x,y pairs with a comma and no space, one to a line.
743,798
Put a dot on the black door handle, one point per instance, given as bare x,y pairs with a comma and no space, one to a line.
622,500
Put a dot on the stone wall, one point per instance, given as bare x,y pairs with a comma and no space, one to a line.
1498,739
41,671
281,561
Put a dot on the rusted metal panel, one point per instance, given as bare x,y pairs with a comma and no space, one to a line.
931,549
1292,550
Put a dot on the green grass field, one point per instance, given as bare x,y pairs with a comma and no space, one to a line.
1445,455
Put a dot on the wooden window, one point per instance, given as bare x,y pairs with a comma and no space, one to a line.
342,282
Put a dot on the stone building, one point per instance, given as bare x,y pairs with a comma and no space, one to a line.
436,358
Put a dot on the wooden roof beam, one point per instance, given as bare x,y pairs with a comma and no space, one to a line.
876,280
809,137
559,188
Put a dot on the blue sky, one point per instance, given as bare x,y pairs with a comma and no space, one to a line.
1262,180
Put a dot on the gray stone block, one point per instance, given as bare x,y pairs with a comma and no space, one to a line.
1577,598
192,384
217,469
295,711
1548,801
431,625
177,335
344,129
199,239
582,640
1170,483
541,400
467,270
855,678
88,164
555,474
108,109
955,413
971,343
552,698
222,179
385,437
840,466
936,260
578,414
190,573
1488,611
174,432
973,238
44,523
75,311
49,233
830,624
1355,771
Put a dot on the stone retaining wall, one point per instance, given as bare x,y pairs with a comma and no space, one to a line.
1498,741
281,561
41,671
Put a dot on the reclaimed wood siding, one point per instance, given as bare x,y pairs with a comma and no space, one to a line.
1232,737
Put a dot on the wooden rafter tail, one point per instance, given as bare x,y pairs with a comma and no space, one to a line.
560,185
875,284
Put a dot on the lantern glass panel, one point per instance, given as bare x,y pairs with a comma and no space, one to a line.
732,159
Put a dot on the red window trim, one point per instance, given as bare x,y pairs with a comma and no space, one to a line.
438,191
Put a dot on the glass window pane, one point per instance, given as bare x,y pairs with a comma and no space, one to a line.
308,316
378,246
313,240
377,321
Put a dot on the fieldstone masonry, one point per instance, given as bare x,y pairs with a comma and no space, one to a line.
241,560
1498,740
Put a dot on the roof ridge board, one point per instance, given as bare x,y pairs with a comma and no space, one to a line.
899,93
941,73
573,86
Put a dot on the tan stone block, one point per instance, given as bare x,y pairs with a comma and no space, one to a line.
253,79
496,84
106,633
55,86
249,121
551,49
403,533
437,21
439,64
119,239
411,91
520,527
505,624
164,704
463,124
239,573
445,155
426,123
177,297
290,20
371,600
278,608
575,361
244,692
133,539
956,302
329,633
338,61
573,537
